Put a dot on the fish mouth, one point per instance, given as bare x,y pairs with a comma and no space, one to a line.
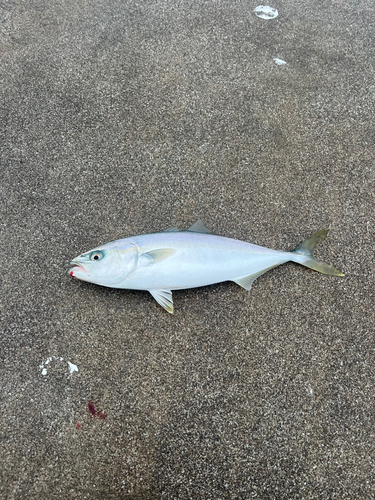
76,269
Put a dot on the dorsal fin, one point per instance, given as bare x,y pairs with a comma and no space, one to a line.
199,227
170,230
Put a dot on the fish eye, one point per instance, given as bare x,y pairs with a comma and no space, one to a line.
97,255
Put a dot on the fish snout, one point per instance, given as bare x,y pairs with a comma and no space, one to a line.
77,269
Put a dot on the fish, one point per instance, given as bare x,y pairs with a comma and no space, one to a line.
175,260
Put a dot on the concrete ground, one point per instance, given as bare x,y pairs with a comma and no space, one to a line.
121,117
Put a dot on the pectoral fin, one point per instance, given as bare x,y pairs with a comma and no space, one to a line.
247,281
156,256
164,298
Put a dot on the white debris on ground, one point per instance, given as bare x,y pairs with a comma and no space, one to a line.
72,368
265,12
279,61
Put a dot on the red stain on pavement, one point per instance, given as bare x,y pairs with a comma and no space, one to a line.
95,413
91,408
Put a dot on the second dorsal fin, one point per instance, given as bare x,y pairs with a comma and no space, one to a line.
199,227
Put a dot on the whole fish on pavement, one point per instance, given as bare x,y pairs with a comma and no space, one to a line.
175,260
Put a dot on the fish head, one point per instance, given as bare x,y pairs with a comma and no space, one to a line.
106,265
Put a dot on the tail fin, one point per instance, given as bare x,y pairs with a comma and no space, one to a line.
306,249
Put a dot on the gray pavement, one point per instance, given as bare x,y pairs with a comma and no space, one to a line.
119,118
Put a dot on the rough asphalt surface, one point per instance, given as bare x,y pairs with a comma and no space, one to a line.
123,117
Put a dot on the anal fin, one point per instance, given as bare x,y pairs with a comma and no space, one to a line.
247,281
164,298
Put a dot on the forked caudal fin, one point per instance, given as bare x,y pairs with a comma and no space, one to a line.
304,251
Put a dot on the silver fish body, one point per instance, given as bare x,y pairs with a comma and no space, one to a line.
173,260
